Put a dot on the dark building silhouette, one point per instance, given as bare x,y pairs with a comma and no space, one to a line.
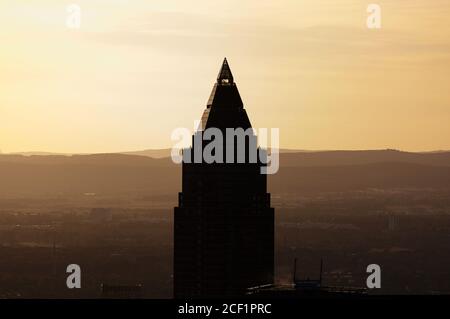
223,225
301,288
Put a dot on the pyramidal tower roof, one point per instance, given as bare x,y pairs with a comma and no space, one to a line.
225,108
225,76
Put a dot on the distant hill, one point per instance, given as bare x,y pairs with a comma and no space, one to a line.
290,158
388,175
337,158
158,153
37,153
93,159
154,153
293,157
300,173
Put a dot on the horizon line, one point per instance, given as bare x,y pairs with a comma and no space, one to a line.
281,150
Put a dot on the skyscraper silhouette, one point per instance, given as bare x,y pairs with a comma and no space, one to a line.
223,225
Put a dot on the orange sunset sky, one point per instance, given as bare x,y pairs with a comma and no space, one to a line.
137,69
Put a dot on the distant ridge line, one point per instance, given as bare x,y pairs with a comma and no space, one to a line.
166,152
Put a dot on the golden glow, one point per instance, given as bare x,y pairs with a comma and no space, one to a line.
138,69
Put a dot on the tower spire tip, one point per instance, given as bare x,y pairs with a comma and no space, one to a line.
225,75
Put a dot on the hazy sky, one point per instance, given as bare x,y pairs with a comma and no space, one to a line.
137,69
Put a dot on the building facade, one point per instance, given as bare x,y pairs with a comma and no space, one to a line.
223,225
